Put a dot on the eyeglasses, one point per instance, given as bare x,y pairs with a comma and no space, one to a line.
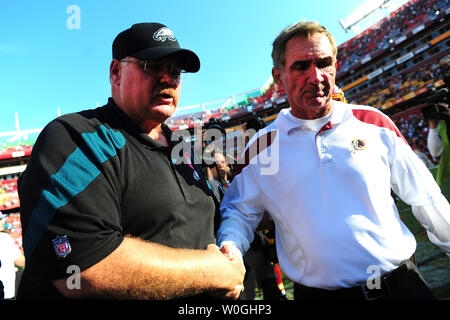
154,68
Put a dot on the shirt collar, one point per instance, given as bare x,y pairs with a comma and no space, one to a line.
134,129
340,111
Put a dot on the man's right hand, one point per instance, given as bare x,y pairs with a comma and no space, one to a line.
231,273
139,269
433,123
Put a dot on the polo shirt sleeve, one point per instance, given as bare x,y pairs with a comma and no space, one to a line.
241,211
70,199
413,182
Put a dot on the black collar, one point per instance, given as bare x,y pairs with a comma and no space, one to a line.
131,127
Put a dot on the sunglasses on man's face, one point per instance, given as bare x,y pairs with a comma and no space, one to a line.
155,68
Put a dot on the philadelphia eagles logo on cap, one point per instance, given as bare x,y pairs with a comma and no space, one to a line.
164,34
152,41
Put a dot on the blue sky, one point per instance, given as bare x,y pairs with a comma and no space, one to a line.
45,65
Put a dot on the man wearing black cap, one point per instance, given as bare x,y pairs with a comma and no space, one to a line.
105,209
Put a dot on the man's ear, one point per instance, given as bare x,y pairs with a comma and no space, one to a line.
276,75
115,72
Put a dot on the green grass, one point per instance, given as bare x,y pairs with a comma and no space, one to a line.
432,262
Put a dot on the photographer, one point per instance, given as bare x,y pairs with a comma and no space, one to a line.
438,116
214,158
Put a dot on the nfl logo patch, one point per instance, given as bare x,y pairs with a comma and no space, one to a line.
62,246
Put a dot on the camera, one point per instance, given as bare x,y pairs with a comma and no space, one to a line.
256,123
438,105
213,140
435,111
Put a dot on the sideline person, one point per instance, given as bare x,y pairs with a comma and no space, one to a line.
437,141
101,193
10,258
338,231
219,176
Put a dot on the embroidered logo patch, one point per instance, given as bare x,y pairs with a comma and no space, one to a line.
164,34
62,246
358,145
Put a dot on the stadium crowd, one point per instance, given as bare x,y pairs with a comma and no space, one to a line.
415,130
403,86
381,35
249,104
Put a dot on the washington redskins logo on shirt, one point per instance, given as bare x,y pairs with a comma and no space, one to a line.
358,144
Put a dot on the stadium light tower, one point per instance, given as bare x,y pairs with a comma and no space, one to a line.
362,12
18,134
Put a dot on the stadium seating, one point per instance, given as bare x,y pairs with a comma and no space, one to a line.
383,34
404,86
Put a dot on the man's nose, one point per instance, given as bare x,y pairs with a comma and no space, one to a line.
315,74
167,75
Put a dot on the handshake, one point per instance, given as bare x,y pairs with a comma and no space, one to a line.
232,271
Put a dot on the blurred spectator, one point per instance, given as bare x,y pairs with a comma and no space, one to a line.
413,127
219,176
10,257
438,143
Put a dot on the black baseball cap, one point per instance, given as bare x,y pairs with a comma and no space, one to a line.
152,41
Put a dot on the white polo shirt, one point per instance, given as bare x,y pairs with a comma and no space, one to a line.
329,193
